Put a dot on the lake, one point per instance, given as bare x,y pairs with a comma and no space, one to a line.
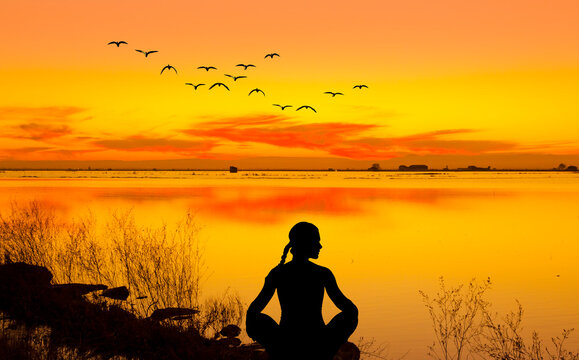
385,235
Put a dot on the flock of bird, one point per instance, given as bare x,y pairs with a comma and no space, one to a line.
234,77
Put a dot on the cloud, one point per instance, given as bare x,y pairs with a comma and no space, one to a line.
49,126
340,139
434,143
41,132
279,131
67,154
363,152
141,143
39,114
461,146
38,123
42,153
17,153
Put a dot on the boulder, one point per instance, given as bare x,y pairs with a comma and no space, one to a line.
76,290
230,331
117,293
171,313
348,351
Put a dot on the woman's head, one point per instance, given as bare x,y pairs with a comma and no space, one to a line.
304,241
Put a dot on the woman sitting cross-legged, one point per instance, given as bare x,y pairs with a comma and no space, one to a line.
300,285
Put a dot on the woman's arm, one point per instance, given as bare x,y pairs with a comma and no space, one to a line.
264,295
337,297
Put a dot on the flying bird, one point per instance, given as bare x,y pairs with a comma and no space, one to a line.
195,86
236,77
282,106
245,66
333,93
218,84
168,67
117,43
271,55
306,107
360,86
207,68
256,90
146,52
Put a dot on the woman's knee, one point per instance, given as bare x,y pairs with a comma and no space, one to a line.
261,327
344,323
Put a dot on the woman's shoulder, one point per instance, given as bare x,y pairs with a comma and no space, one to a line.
275,272
290,268
322,270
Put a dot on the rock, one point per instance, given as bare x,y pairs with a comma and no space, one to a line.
32,275
76,290
20,279
171,312
413,168
229,341
117,293
348,351
231,331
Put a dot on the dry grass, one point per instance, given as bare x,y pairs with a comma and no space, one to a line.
162,266
466,327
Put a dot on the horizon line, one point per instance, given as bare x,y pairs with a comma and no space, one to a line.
292,169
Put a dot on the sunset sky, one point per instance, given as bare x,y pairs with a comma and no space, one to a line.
450,82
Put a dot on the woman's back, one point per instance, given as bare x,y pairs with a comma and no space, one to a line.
300,289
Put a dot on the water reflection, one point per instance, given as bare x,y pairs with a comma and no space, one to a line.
404,230
246,204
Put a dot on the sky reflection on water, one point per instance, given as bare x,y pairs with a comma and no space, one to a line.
384,239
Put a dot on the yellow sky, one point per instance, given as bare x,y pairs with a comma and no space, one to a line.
446,80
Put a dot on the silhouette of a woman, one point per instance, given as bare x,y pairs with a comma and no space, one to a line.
300,285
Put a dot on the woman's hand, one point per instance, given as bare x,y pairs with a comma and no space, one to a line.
337,297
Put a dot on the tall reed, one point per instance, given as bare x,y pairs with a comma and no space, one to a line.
161,266
466,327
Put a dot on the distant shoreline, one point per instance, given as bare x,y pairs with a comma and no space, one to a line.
297,170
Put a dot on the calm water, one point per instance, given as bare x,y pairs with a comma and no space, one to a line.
385,235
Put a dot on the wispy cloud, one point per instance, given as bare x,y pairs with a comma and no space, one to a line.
235,137
41,132
434,142
163,145
279,131
43,124
43,153
19,152
39,114
340,139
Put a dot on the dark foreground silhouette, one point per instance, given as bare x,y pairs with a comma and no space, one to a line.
29,300
300,285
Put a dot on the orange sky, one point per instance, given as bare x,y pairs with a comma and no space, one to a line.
449,82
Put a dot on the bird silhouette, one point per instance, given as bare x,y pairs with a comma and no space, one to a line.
360,86
306,107
218,84
168,67
117,43
146,52
256,90
207,68
194,85
282,106
333,93
245,66
271,55
236,77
